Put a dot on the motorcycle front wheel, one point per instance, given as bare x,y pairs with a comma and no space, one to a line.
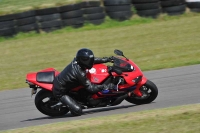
149,93
45,101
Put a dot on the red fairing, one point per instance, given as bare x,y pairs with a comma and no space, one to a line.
132,75
31,77
140,84
98,73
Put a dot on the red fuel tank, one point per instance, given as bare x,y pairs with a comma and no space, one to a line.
98,73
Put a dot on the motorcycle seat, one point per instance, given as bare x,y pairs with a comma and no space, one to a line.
45,77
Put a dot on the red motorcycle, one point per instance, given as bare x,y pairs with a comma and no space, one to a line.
124,73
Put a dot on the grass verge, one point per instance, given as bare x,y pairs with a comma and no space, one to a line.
14,6
181,119
152,44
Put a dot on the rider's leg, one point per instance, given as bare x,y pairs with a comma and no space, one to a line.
73,106
60,94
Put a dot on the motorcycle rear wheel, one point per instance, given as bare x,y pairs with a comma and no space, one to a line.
44,100
149,91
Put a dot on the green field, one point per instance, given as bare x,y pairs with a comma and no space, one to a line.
182,119
152,44
13,6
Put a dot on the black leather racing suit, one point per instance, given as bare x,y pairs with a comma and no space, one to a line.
73,76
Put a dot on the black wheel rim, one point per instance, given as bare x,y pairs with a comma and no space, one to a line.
46,104
146,93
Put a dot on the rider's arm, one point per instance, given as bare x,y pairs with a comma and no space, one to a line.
98,60
93,88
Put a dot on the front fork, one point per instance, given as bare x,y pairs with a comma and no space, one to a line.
137,91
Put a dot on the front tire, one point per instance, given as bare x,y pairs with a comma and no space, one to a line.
149,91
44,100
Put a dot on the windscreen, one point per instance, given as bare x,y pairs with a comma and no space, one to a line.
123,65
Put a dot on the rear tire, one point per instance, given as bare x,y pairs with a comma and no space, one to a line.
148,88
44,100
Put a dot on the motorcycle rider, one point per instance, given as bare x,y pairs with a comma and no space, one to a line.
74,75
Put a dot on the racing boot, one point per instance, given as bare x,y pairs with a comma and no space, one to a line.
73,106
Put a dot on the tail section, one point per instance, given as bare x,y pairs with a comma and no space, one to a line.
42,79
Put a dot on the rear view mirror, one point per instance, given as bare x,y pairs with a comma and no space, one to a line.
118,52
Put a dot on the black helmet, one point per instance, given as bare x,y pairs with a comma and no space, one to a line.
85,58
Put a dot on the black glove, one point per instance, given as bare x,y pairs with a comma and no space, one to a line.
110,59
110,86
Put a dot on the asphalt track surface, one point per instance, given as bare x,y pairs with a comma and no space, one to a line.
177,86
